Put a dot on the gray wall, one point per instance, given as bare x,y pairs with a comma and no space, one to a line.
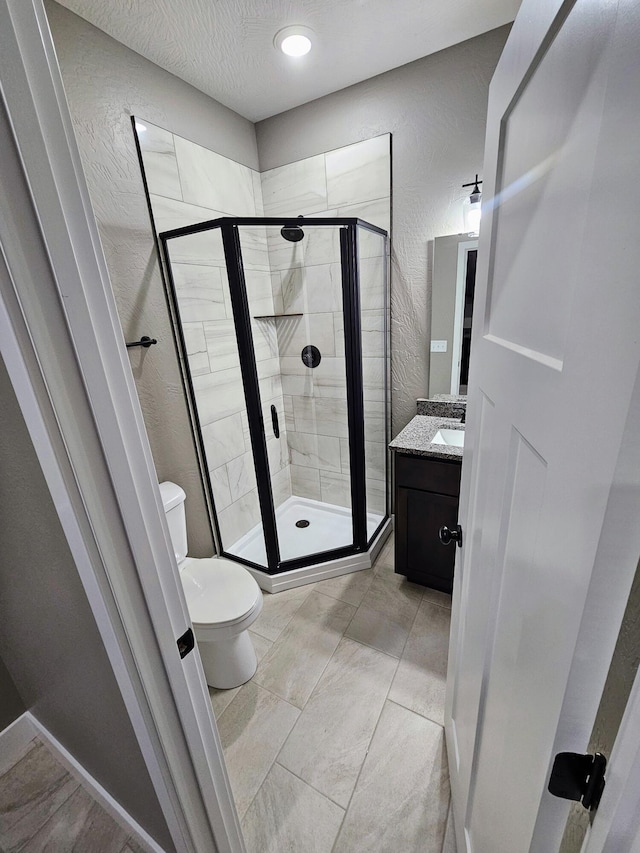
11,705
106,83
436,109
49,640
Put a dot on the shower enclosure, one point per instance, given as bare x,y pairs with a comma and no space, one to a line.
283,330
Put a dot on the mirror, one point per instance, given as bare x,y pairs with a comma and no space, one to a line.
454,276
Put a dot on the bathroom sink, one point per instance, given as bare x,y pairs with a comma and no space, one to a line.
450,437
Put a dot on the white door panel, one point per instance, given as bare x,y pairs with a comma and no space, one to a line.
554,365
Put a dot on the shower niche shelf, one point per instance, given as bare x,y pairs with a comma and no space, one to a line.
275,316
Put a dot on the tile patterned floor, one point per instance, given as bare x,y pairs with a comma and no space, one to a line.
44,808
336,745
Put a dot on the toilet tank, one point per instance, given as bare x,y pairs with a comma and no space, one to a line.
173,498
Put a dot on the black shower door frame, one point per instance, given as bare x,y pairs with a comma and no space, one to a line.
229,228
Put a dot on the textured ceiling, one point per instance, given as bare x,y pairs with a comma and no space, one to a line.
225,47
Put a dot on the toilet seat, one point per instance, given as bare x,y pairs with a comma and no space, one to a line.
219,593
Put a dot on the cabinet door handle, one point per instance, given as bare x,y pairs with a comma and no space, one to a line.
448,536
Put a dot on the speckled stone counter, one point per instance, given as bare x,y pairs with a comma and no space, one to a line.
442,406
415,439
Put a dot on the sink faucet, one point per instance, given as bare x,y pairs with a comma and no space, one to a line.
464,416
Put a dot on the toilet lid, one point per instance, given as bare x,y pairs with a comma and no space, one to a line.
218,591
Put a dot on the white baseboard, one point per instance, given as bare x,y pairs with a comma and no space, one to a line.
13,742
323,571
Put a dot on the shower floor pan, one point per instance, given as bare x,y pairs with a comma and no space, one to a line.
329,527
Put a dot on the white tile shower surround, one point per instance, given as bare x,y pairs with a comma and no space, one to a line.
357,183
189,183
329,527
357,173
336,743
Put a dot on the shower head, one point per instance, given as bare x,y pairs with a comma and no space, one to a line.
292,233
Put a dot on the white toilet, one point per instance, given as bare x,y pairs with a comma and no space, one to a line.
223,599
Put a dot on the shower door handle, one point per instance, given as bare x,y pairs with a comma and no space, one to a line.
274,422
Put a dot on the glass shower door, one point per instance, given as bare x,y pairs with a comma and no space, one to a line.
293,282
283,329
374,333
203,311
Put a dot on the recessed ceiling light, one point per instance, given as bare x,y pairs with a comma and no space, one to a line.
140,127
294,41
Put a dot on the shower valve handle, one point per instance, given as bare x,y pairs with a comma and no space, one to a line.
274,422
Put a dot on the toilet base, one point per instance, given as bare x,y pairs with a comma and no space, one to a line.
228,663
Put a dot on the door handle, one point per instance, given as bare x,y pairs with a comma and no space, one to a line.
447,536
274,422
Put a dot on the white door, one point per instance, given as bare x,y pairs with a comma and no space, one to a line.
551,473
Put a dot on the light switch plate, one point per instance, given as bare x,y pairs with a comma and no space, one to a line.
438,346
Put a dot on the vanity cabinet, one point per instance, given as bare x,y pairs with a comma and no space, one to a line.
426,498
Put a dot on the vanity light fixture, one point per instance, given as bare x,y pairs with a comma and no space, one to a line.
471,208
294,41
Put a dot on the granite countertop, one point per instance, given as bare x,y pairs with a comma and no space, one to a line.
442,405
415,439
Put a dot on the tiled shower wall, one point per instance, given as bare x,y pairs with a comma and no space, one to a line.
351,181
189,184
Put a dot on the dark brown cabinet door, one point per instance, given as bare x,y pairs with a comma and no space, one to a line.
420,516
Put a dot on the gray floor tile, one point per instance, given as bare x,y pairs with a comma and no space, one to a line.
386,614
385,569
402,796
379,631
80,824
350,588
330,739
385,560
436,597
260,644
420,681
297,659
278,610
253,729
394,596
30,792
16,753
389,634
385,566
287,816
220,699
